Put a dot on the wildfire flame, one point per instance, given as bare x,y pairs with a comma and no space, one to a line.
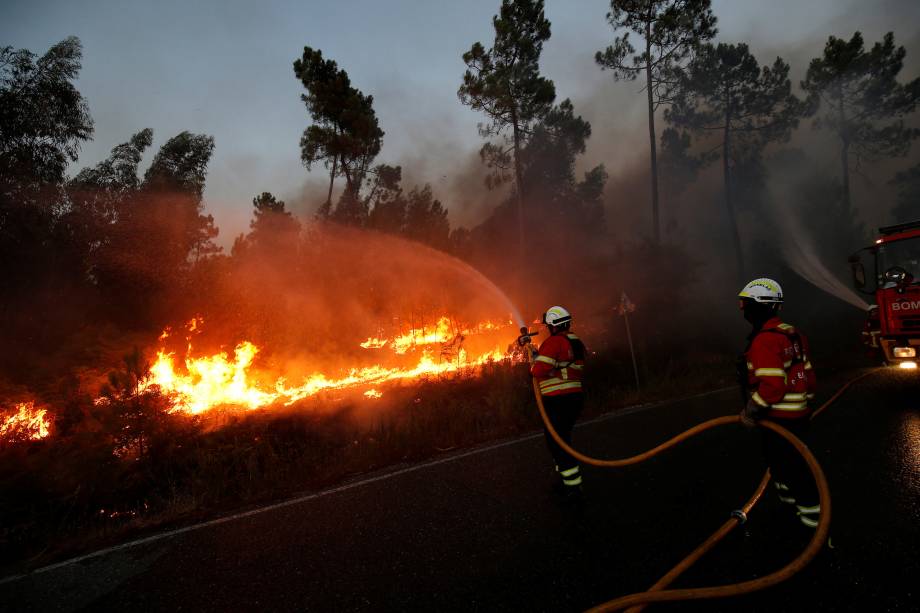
196,384
209,381
26,423
444,331
221,380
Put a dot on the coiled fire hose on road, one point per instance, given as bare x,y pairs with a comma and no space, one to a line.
657,593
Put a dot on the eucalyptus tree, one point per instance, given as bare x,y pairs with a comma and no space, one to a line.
44,120
43,117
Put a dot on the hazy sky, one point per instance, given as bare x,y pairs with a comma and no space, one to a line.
224,68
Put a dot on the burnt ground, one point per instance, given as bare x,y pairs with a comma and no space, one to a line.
483,530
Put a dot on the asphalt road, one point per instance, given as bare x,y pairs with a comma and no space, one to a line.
482,530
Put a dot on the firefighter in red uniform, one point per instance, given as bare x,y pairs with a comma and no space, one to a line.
558,366
780,382
871,331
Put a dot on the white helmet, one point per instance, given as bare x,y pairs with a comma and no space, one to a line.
763,290
556,316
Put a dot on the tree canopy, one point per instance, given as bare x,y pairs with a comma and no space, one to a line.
858,97
345,134
272,228
725,91
43,118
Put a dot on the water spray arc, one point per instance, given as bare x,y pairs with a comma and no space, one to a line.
489,286
799,250
803,260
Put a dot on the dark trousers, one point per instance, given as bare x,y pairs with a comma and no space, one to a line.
562,411
785,463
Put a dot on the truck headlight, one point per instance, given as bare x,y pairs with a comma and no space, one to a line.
905,352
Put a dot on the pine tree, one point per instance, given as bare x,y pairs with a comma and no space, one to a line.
860,99
345,134
670,31
504,82
725,91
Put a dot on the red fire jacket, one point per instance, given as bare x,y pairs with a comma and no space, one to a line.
780,374
558,367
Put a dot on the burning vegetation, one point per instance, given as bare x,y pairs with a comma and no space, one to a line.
25,423
202,383
355,342
371,331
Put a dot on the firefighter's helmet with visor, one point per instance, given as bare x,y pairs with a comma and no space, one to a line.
557,317
763,291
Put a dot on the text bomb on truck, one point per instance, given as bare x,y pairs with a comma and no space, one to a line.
893,326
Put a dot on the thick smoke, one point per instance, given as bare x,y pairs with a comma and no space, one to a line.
312,301
783,234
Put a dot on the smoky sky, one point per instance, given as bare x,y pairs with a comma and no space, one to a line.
224,68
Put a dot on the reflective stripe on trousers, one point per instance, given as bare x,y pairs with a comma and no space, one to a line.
809,516
571,476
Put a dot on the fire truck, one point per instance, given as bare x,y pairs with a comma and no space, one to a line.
889,270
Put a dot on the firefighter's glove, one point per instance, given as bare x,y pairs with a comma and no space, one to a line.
741,371
751,413
524,340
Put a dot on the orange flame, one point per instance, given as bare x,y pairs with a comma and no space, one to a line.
444,331
26,423
220,380
210,381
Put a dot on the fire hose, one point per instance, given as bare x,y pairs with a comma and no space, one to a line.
657,593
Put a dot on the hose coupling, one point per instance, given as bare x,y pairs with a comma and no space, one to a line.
740,515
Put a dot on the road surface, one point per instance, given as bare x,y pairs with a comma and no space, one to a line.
482,530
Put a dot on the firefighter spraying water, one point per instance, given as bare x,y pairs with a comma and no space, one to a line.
557,368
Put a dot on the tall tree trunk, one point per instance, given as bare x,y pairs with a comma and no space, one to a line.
335,161
844,153
845,161
656,225
519,185
729,205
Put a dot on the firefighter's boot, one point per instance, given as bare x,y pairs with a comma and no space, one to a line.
809,516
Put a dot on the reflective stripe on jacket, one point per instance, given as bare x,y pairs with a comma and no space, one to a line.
779,370
556,367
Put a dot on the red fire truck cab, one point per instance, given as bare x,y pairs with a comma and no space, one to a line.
889,270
